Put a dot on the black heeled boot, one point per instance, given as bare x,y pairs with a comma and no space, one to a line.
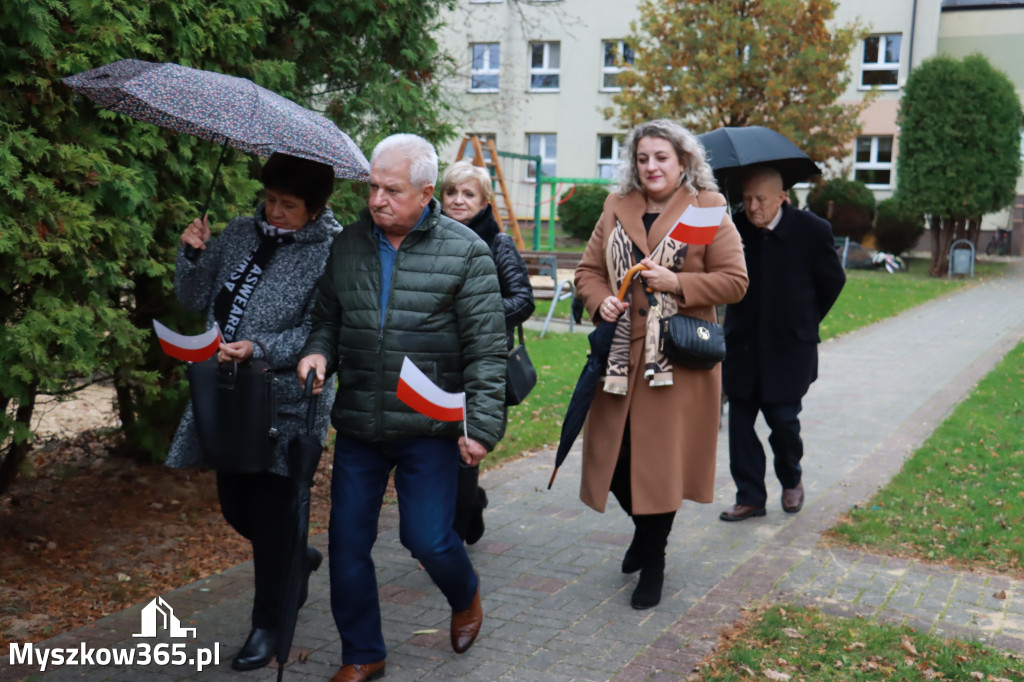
313,560
654,530
259,648
475,531
633,560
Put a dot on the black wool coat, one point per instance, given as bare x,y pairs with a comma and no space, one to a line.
772,333
513,277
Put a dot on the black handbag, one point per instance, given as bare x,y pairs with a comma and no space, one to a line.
234,407
520,375
692,342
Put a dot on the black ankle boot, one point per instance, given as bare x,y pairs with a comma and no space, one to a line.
633,560
648,589
313,560
258,650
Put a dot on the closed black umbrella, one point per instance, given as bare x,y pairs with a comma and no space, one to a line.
304,452
731,150
586,386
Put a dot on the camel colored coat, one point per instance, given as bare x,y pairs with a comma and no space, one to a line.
673,429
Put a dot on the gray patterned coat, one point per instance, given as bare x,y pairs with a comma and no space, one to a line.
278,315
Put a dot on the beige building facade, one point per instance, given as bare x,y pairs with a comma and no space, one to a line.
537,75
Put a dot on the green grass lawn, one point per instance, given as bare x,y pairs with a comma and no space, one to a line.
783,643
537,421
872,295
960,497
869,295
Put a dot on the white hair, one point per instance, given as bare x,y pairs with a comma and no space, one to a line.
420,154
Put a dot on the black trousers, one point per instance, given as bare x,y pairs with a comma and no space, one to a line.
260,507
747,461
652,530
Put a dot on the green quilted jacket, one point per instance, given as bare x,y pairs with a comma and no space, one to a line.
444,313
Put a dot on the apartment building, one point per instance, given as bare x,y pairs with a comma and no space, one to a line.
536,75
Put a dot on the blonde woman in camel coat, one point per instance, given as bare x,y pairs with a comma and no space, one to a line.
651,444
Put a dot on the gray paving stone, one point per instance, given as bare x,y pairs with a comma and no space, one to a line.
556,605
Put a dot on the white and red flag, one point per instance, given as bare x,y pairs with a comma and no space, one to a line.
697,225
188,348
416,390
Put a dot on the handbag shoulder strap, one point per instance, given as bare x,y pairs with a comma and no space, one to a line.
520,328
266,353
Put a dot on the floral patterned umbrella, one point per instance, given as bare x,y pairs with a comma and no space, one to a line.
222,109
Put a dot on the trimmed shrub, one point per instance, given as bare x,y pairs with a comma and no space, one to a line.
853,206
897,228
580,212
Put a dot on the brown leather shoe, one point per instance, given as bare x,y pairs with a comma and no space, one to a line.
793,499
466,625
738,512
358,672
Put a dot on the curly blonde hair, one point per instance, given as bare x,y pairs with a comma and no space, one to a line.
697,174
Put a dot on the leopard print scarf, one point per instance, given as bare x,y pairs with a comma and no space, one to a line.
618,260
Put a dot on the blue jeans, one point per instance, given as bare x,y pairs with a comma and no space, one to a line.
426,479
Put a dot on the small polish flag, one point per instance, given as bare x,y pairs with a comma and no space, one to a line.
417,391
697,225
188,348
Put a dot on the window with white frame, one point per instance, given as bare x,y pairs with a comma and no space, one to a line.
545,59
617,56
544,145
483,75
880,65
872,163
608,156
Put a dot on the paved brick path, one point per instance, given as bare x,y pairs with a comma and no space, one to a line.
556,605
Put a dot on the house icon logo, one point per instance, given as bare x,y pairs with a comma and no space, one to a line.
158,615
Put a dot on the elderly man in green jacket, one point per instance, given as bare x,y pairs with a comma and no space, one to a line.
402,282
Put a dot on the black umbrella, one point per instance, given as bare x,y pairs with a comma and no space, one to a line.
586,386
730,150
304,452
223,109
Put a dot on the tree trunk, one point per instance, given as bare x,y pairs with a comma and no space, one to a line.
944,233
11,460
974,231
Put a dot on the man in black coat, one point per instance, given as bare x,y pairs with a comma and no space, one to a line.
772,338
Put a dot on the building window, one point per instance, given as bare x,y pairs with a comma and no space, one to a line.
608,156
483,76
881,64
544,145
612,52
544,64
872,163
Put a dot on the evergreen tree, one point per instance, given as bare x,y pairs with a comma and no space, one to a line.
960,123
92,203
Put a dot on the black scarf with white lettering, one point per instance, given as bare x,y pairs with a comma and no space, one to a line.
229,306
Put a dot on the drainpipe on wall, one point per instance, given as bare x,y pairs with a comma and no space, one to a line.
913,25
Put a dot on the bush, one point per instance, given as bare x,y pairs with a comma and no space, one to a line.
853,206
897,228
580,209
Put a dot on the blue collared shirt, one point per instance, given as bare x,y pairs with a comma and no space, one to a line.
388,253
